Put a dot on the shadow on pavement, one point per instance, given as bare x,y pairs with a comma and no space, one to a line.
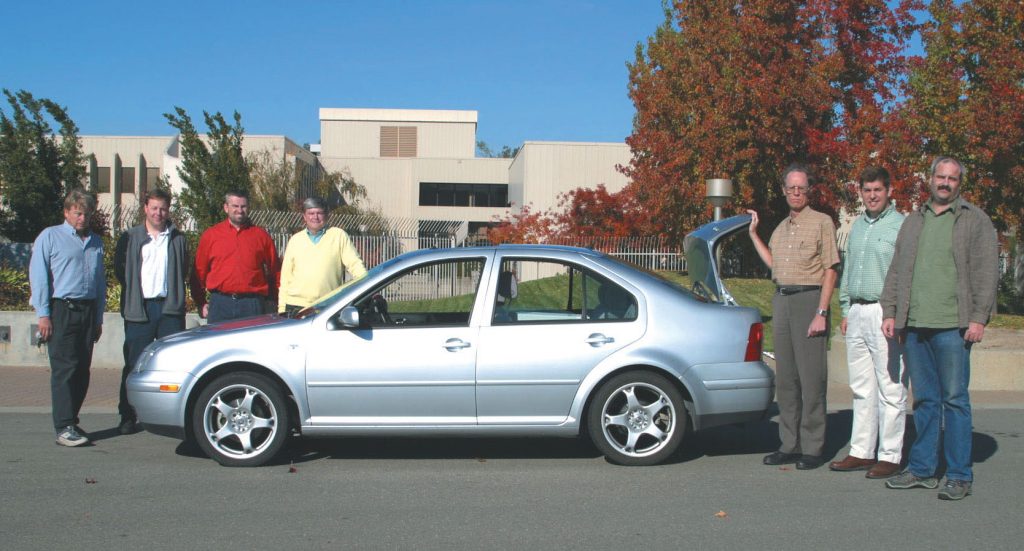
746,439
310,449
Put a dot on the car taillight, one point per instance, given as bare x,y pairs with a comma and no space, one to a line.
754,342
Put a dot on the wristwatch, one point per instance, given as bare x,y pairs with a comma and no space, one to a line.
822,313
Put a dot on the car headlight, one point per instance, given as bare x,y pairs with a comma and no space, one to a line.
143,362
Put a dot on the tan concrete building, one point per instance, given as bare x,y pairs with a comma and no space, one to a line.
122,168
415,164
421,164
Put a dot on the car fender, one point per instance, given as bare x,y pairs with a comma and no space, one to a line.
629,358
271,361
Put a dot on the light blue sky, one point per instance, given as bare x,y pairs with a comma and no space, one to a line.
533,69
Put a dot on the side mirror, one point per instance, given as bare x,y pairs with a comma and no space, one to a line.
349,317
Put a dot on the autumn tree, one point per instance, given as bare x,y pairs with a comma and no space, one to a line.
37,167
723,89
742,89
524,226
966,96
210,167
587,213
864,63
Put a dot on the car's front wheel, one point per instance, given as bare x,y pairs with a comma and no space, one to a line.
240,420
637,418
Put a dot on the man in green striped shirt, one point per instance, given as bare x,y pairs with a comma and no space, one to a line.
874,361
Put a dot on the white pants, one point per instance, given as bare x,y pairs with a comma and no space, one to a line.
879,385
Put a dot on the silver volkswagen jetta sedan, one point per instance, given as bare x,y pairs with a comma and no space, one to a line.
513,340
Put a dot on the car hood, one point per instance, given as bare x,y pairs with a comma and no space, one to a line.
701,247
213,329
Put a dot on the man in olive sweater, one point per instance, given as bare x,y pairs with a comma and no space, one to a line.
939,294
315,260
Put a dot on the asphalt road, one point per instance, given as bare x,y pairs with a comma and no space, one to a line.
147,492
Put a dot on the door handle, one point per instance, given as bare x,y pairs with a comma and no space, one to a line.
455,344
598,339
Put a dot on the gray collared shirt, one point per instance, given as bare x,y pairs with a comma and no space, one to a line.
64,265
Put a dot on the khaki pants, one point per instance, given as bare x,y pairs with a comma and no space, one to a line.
801,374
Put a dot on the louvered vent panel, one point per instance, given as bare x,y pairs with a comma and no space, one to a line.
407,141
389,141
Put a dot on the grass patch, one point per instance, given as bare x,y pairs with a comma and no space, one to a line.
757,293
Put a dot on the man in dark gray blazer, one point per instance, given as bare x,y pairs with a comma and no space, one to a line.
151,261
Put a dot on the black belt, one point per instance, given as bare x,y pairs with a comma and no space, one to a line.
862,301
237,296
76,304
77,301
154,299
786,290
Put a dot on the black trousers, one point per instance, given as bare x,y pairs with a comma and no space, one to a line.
70,350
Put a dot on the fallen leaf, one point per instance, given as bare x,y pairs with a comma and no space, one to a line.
481,460
722,514
785,469
90,481
292,469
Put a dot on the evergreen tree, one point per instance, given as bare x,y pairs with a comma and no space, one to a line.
210,167
37,168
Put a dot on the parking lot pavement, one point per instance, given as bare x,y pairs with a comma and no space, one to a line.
146,491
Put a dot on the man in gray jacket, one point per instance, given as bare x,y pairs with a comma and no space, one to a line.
151,261
939,294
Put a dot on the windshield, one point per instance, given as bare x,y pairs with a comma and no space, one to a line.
342,291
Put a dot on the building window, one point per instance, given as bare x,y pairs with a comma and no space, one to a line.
128,179
437,194
152,177
103,179
398,141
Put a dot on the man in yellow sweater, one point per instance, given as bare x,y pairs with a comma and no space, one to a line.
315,260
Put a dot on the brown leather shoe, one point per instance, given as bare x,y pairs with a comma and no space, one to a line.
883,469
851,463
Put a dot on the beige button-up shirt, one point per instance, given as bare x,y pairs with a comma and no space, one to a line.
803,248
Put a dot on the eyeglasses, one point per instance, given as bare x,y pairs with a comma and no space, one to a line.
796,190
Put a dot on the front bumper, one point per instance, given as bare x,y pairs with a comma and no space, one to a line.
160,411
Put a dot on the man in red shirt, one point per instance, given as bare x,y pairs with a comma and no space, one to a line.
237,263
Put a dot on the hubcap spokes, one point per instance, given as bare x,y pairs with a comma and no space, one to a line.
638,419
240,421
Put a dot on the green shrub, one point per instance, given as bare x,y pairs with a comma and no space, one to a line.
14,288
1010,301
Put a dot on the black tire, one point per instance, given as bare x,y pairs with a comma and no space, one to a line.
241,420
643,430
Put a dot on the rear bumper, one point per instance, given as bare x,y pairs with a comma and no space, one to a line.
731,393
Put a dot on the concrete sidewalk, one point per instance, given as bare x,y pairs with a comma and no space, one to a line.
27,389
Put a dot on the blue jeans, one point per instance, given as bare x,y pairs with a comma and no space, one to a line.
939,362
138,335
224,307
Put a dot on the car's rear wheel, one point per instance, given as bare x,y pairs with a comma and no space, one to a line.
240,420
637,418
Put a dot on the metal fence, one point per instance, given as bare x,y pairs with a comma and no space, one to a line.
379,239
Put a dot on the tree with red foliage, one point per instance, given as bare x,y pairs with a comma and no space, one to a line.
581,213
742,89
724,89
525,226
600,214
863,61
966,96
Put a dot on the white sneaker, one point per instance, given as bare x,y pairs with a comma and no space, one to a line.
71,438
